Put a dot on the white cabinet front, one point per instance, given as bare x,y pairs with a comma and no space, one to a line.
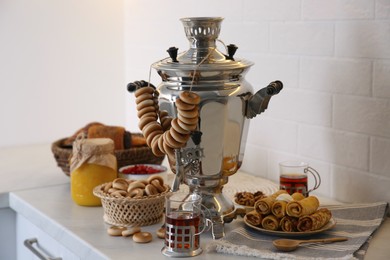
7,234
34,243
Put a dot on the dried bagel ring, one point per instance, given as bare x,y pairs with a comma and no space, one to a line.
119,194
145,182
150,190
135,185
150,137
145,110
142,237
160,143
185,126
163,113
144,121
178,128
178,137
166,187
160,188
143,90
161,233
144,103
120,184
129,181
190,97
107,187
155,147
168,150
136,193
170,141
187,120
166,122
143,97
156,178
115,231
151,127
150,114
180,104
111,190
189,113
130,231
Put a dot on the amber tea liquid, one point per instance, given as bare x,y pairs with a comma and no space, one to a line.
293,183
181,230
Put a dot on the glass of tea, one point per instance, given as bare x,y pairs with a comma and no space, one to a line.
293,177
184,222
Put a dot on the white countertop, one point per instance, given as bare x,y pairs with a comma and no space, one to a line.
39,191
81,229
28,167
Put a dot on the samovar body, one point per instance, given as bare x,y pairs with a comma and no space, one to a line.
226,104
223,129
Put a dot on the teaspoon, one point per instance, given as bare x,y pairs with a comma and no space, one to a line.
292,244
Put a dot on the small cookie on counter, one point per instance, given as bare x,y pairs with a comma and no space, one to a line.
130,231
161,233
115,231
142,237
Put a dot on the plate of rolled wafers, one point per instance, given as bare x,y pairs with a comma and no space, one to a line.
289,215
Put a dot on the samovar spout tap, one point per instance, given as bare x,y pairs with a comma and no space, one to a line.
258,102
187,160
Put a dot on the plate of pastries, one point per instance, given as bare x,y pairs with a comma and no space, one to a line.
289,215
247,199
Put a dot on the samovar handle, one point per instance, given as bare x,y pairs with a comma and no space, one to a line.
258,102
133,86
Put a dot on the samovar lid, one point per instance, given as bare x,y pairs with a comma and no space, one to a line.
203,55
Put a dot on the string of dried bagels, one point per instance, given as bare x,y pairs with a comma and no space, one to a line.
170,133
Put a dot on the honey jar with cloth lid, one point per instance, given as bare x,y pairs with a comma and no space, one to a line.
93,163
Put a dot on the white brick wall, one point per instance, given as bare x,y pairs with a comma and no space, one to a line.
338,147
379,156
381,79
302,38
366,115
334,58
337,9
335,75
363,39
382,9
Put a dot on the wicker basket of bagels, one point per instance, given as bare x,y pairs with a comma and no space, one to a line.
283,212
133,202
130,148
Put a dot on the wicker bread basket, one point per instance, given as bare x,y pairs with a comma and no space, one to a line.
127,211
135,155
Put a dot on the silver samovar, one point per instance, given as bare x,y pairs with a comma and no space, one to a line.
216,149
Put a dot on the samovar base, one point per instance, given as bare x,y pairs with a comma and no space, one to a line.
218,206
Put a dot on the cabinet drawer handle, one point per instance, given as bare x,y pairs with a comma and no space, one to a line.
29,243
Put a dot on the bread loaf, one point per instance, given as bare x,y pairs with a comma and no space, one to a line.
122,139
